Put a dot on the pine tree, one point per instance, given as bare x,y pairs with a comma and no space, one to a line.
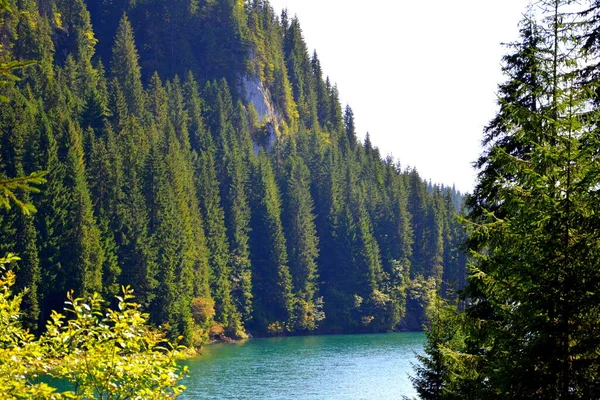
301,75
176,228
530,319
271,280
17,232
349,126
323,106
217,244
125,68
200,138
84,255
302,241
235,198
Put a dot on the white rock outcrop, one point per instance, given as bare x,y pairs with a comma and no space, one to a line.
255,92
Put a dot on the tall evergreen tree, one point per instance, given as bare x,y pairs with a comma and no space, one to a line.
235,198
530,320
349,126
301,75
271,280
18,233
200,138
302,241
84,257
323,106
125,68
218,247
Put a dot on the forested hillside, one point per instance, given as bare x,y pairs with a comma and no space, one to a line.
195,151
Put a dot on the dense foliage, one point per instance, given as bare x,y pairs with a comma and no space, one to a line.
95,353
195,151
528,327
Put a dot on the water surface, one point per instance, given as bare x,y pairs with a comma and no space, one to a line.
345,367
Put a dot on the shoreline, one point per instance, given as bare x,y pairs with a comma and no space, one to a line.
229,340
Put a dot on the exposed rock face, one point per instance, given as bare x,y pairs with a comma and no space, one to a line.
255,92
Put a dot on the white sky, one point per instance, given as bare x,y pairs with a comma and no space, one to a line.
420,76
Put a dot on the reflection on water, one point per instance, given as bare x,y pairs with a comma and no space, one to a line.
346,367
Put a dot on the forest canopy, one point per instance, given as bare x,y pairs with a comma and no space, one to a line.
195,151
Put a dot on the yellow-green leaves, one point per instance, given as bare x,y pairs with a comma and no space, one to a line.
95,352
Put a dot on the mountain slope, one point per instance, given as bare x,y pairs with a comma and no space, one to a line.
196,153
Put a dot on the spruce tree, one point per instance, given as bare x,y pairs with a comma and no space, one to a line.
530,319
337,119
301,75
302,241
435,373
323,105
235,198
17,231
200,138
349,126
129,216
271,280
329,223
217,244
84,255
178,114
218,115
95,110
125,68
157,102
417,206
454,237
176,227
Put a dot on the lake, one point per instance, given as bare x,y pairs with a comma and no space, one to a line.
345,367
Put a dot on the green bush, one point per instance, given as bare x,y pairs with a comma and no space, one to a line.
93,352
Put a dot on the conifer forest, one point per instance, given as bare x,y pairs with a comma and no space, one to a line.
194,151
192,154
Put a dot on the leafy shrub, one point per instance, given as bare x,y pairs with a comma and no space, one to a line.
98,352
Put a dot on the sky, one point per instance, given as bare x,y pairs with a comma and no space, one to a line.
420,76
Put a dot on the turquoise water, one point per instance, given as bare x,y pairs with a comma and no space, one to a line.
345,367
